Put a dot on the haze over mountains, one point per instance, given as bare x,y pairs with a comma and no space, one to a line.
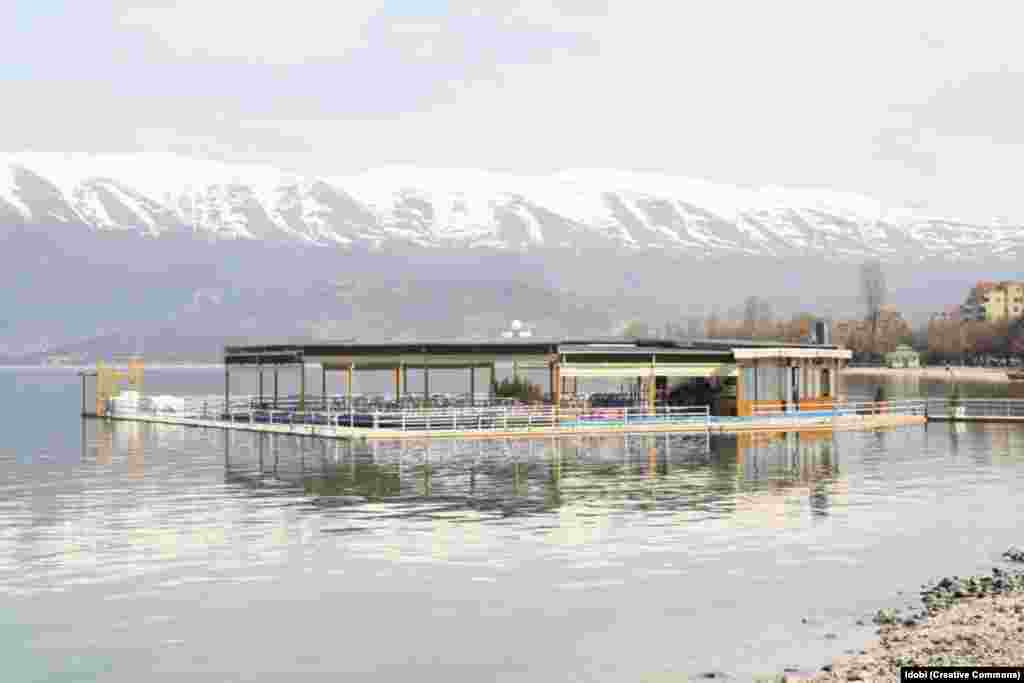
163,253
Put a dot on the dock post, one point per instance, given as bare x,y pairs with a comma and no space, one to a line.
472,386
398,383
493,385
302,385
323,385
405,379
260,368
227,388
83,394
275,388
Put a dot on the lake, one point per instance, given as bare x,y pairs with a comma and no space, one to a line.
152,552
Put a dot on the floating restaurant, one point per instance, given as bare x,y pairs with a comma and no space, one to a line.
698,386
749,376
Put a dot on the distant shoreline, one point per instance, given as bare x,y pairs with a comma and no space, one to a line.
940,373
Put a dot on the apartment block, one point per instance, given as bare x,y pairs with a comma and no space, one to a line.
994,301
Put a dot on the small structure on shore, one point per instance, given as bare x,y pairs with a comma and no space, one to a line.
903,357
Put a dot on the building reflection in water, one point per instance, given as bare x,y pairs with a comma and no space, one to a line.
740,476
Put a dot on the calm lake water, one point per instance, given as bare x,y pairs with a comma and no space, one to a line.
145,552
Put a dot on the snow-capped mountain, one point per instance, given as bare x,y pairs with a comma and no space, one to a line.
156,195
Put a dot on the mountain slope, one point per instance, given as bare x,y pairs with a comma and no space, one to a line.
158,195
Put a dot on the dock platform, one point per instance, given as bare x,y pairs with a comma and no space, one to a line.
517,421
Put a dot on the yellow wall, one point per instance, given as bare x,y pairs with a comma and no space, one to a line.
1015,300
1006,300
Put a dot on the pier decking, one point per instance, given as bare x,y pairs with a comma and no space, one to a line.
503,421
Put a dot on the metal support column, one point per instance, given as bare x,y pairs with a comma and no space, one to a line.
426,379
556,383
787,387
302,385
227,388
839,391
260,368
323,386
472,385
275,388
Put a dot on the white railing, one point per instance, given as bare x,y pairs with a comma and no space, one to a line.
292,411
977,408
828,410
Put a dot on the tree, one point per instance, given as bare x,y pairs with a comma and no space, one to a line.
636,330
751,313
519,388
711,325
873,291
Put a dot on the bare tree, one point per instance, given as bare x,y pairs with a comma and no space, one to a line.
873,292
712,324
751,312
758,317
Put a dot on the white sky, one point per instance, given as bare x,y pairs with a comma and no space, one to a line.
908,101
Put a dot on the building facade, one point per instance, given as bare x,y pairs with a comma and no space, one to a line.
761,376
994,301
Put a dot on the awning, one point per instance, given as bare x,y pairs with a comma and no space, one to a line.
645,370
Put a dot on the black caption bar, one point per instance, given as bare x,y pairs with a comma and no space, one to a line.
962,673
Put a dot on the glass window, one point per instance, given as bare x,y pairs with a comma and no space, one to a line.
748,384
770,383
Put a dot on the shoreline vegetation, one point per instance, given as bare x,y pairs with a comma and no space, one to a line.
973,621
938,372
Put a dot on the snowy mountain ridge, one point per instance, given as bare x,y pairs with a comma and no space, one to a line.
157,194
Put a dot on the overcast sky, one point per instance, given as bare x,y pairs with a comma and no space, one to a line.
907,101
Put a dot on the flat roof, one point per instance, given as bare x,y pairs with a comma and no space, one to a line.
280,354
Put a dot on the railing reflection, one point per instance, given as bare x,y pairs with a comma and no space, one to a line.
513,477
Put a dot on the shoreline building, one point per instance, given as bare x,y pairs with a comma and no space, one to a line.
994,301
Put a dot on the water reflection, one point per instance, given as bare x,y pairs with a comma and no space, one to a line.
511,478
149,498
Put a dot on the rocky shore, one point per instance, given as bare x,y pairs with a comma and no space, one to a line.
974,621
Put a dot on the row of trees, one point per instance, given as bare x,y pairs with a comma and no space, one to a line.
879,331
953,339
870,338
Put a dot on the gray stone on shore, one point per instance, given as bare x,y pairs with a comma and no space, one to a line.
1014,554
954,628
